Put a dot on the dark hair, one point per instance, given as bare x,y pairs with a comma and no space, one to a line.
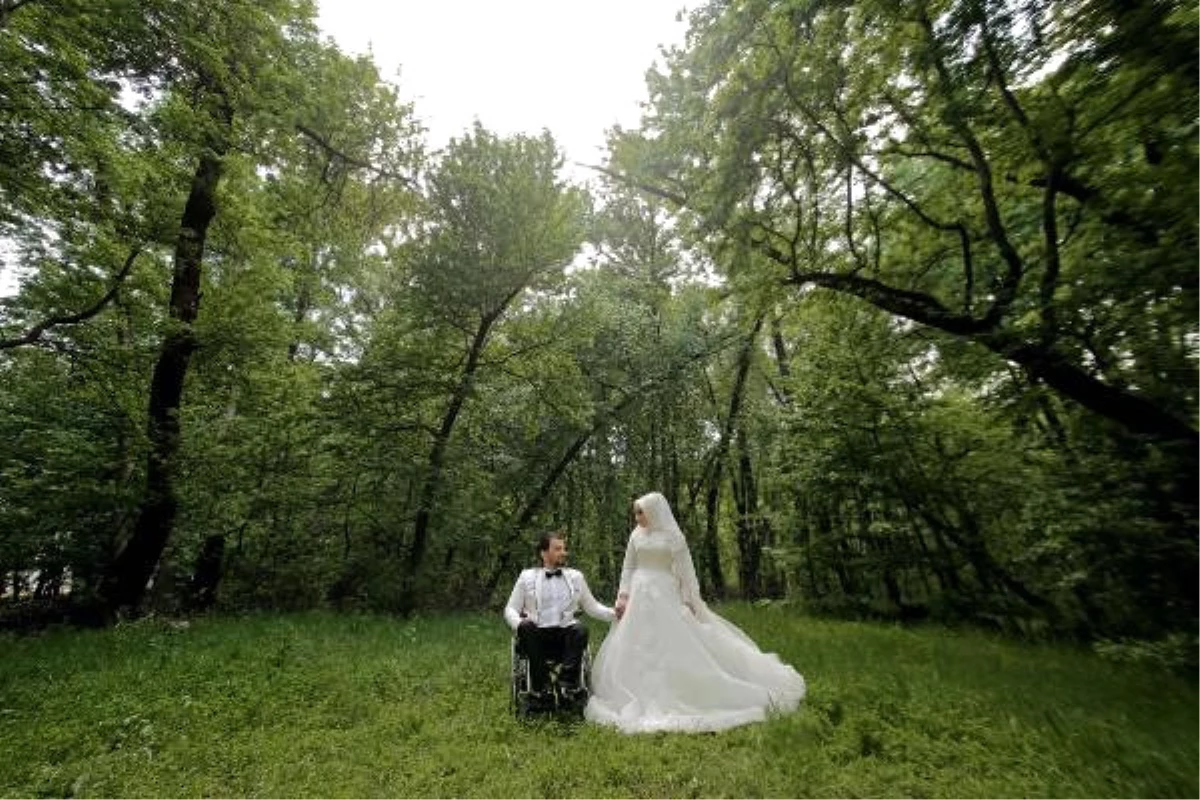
544,542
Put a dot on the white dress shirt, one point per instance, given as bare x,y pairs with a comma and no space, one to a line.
553,601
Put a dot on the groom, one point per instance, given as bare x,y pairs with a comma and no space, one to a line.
542,609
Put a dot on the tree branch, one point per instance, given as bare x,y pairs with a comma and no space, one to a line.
323,143
1010,100
917,306
1039,359
35,333
657,191
1053,267
1006,288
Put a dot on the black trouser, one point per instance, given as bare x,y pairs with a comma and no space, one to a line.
546,646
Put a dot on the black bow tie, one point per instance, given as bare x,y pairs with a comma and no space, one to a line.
554,573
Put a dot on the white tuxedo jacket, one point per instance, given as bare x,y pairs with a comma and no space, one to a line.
525,598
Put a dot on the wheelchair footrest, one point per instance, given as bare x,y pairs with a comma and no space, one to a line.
552,700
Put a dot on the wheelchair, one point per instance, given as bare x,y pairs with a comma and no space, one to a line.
520,698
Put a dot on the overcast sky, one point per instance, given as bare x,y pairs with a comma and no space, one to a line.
574,67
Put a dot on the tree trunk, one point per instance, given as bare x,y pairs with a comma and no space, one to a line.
206,574
520,526
710,547
437,456
539,497
751,526
711,544
816,586
125,580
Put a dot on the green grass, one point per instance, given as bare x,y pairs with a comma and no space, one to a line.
320,705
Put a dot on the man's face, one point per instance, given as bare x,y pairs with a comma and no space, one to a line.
555,555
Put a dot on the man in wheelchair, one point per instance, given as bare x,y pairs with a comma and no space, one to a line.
541,612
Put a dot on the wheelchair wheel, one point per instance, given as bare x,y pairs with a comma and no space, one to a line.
585,670
521,700
519,696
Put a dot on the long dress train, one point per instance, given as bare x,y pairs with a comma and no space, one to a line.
672,664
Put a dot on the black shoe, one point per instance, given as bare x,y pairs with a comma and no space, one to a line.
573,696
538,702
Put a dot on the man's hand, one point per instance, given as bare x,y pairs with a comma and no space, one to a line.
526,622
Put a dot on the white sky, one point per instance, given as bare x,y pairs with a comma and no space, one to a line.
574,67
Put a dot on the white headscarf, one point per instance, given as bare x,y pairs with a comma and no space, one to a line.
658,513
658,517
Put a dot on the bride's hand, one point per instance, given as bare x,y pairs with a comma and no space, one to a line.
619,608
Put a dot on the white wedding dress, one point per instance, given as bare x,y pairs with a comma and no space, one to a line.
671,664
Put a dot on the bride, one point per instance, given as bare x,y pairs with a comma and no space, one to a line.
671,664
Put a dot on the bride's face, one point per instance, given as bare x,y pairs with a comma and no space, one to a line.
639,516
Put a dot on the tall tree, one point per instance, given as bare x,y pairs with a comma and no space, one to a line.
299,270
182,98
210,89
500,222
1020,175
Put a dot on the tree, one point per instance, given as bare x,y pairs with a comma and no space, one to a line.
982,168
299,273
1016,178
187,107
500,222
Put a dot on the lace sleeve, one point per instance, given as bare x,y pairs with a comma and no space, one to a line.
628,567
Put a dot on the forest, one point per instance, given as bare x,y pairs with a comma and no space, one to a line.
895,301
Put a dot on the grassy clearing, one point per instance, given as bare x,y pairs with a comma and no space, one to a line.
320,705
